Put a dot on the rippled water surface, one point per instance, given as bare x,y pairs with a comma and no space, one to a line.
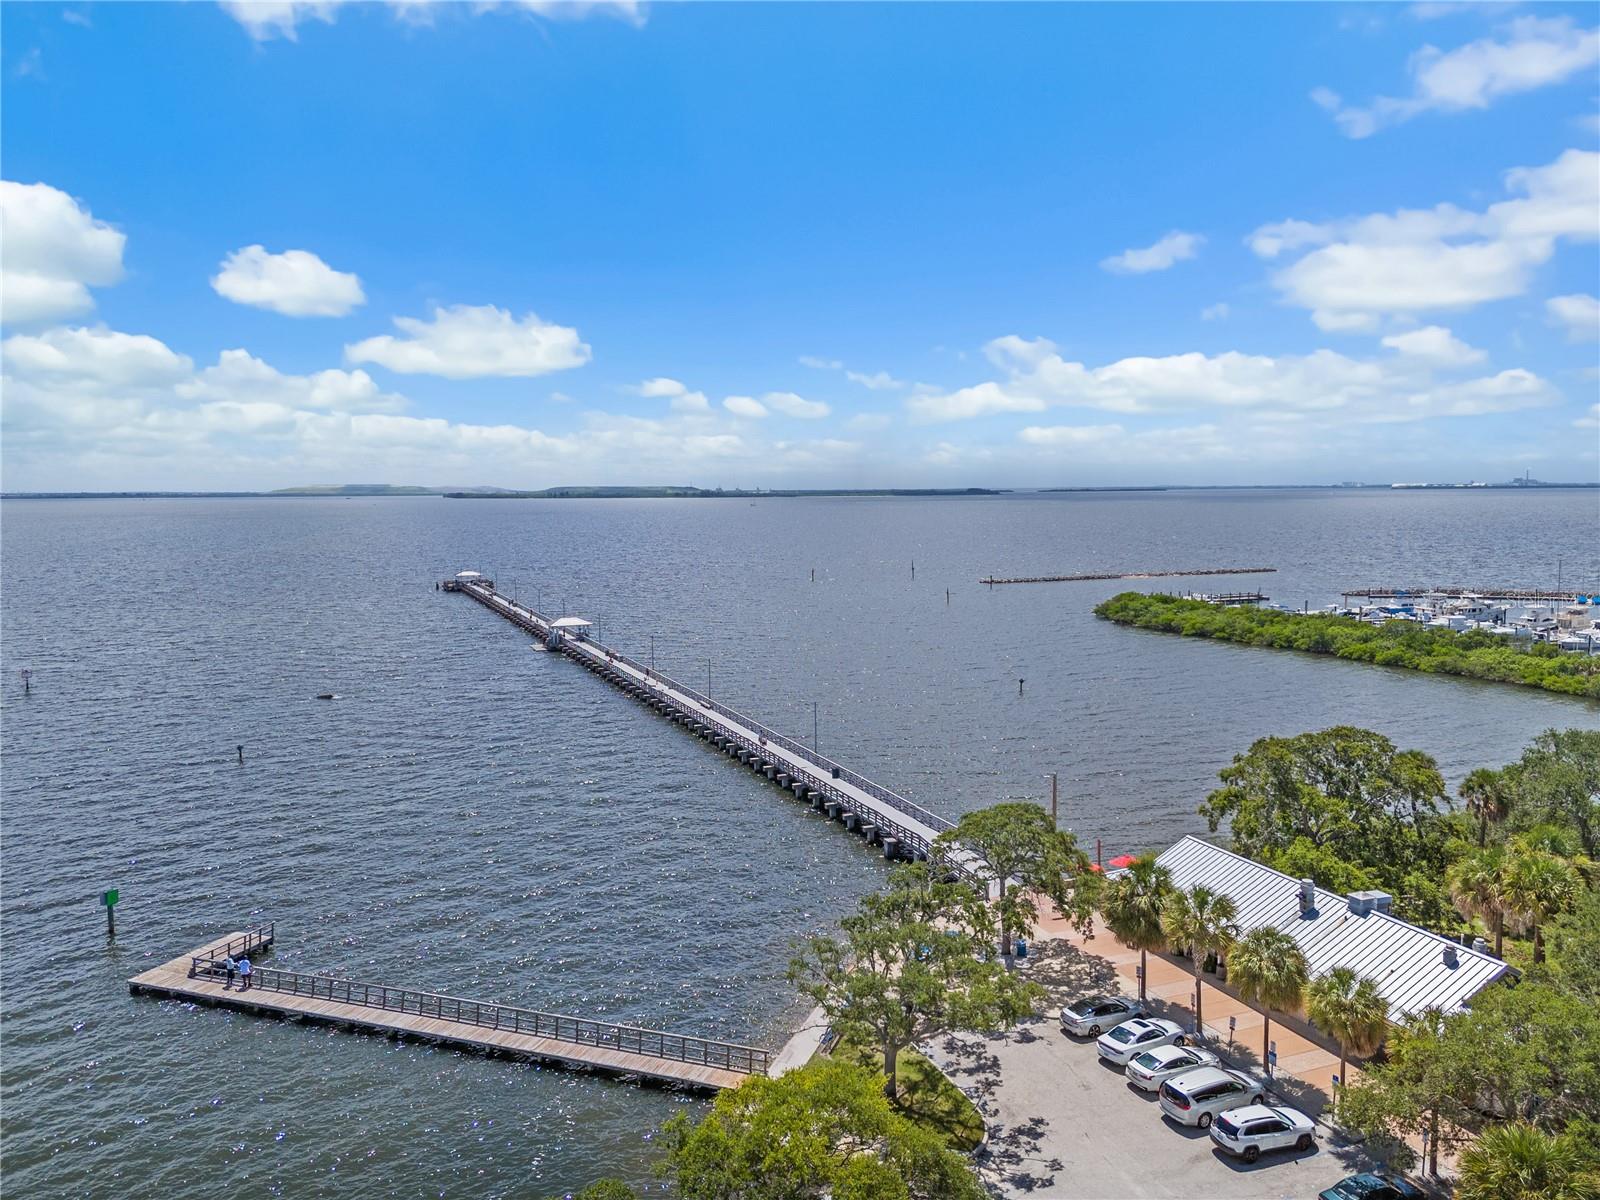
473,816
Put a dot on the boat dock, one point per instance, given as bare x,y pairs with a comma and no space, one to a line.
993,579
576,1042
1518,595
902,829
1228,598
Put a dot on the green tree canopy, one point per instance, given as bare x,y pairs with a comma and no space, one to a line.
1520,1162
1340,796
1349,1007
825,1130
602,1189
1267,967
1019,844
1557,781
1132,906
1203,921
911,960
1538,886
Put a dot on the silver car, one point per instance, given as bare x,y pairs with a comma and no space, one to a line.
1142,1033
1149,1069
1198,1097
1095,1015
1246,1132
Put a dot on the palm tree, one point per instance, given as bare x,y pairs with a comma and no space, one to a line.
1267,967
1538,886
1519,1162
1202,920
1131,907
1487,797
1477,884
1351,1009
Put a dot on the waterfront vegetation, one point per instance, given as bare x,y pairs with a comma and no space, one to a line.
927,1097
1472,654
1513,1083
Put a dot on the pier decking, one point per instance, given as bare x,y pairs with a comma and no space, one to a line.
578,1042
903,829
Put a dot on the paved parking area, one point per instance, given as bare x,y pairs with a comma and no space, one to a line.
1065,1124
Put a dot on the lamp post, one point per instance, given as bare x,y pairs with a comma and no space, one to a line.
814,727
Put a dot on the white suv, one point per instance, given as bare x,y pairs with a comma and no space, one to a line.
1248,1131
1198,1096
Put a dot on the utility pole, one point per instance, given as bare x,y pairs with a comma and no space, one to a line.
1053,810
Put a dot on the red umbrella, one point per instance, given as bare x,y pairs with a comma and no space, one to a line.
1124,860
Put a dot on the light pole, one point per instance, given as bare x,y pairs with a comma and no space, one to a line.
708,679
652,654
814,746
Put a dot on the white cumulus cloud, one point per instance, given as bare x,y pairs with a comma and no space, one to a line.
295,283
1322,384
1578,314
268,19
1435,344
1443,258
744,406
791,405
1171,249
468,342
54,252
1532,52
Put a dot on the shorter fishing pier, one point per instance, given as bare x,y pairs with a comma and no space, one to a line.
201,976
902,829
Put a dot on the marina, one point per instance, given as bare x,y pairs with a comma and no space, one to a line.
1566,620
202,976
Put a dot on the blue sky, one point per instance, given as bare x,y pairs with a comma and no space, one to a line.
259,245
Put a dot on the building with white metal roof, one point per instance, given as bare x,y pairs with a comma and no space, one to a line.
1413,968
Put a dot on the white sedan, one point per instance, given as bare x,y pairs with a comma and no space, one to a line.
1247,1131
1092,1017
1149,1069
1143,1033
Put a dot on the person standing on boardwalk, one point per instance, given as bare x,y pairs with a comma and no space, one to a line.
244,974
230,966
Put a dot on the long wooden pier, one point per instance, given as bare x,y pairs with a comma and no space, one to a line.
994,579
902,828
578,1042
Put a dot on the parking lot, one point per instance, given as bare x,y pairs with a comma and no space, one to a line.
1065,1124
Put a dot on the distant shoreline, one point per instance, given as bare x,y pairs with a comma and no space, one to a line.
363,491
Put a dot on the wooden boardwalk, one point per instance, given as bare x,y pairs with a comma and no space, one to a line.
567,1041
903,828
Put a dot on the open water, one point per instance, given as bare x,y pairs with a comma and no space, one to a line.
479,818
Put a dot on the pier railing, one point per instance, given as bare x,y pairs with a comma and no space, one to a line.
558,1027
828,769
253,939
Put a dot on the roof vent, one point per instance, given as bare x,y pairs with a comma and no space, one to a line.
1450,957
1362,903
1308,896
1479,946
